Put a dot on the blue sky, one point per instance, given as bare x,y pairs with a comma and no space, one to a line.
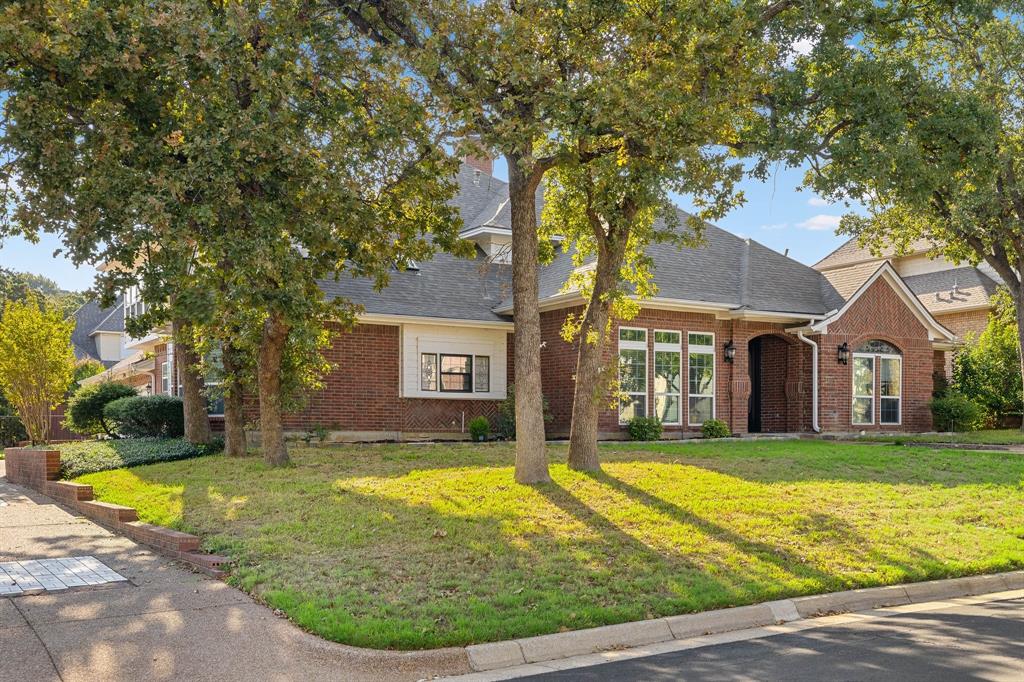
776,214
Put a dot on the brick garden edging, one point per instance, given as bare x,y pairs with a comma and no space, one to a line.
40,470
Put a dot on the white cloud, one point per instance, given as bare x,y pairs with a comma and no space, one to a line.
821,222
818,201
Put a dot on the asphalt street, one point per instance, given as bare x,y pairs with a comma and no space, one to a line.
978,642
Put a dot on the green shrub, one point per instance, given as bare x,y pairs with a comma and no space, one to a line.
86,457
957,412
715,428
147,416
645,428
506,422
85,408
479,428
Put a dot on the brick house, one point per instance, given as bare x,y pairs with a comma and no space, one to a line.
736,332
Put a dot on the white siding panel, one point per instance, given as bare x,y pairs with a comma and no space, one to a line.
423,338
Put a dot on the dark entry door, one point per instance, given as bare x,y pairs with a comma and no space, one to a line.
754,411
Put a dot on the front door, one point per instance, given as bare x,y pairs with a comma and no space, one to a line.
754,409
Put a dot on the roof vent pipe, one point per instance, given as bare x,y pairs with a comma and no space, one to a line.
814,380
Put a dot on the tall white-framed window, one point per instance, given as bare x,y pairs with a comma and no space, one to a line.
165,378
863,409
890,389
170,385
632,373
668,376
133,303
700,353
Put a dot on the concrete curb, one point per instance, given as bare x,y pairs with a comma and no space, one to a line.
498,655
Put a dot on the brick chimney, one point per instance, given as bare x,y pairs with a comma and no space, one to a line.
482,164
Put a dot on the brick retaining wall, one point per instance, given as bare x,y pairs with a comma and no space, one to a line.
40,470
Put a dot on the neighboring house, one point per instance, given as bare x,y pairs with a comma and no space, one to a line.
736,331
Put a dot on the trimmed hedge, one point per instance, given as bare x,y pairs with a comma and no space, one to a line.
645,428
147,416
85,408
86,457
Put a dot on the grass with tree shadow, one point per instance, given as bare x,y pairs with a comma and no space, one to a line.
418,546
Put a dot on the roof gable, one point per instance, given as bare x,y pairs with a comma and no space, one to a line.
936,332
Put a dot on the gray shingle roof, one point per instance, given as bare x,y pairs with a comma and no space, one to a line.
91,318
935,289
724,270
851,252
445,287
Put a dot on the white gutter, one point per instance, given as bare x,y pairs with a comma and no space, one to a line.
814,380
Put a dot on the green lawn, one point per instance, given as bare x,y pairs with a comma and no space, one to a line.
989,437
405,546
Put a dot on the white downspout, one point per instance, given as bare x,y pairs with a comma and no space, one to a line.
814,380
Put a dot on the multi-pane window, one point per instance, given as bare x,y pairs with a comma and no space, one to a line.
133,303
668,376
632,373
890,380
449,373
214,382
701,362
881,361
863,411
165,378
456,373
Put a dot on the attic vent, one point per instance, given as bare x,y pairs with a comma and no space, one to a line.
408,264
476,176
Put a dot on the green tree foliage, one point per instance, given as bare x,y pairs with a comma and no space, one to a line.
85,414
36,362
916,110
987,368
230,155
17,286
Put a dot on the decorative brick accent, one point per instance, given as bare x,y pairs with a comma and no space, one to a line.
39,469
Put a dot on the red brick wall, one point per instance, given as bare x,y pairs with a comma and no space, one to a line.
732,382
878,314
362,391
962,324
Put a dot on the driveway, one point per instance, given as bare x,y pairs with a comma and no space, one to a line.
163,623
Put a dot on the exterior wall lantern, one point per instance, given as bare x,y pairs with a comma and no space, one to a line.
843,354
730,351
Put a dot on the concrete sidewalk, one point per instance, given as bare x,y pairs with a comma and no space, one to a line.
164,623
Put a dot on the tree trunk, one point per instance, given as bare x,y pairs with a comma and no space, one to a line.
234,404
591,389
186,360
272,345
531,458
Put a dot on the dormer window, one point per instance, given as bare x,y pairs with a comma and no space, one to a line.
134,306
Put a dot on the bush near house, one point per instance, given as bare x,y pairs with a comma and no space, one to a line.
479,428
645,428
715,428
956,412
85,408
86,457
147,416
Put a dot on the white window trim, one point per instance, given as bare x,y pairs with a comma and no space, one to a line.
703,350
898,398
671,348
634,345
165,377
853,387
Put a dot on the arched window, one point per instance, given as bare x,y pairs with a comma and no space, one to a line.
877,367
878,347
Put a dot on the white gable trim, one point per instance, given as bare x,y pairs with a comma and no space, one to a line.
936,332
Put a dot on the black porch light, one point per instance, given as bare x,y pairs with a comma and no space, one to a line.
843,354
730,351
